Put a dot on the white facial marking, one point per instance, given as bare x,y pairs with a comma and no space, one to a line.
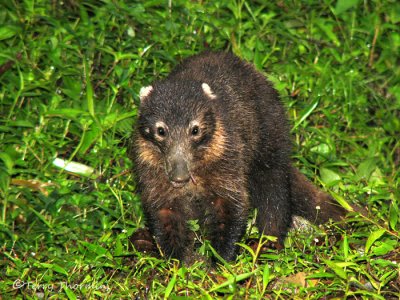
194,123
161,124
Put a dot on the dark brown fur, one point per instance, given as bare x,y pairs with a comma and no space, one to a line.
212,142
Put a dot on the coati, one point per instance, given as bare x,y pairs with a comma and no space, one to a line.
212,142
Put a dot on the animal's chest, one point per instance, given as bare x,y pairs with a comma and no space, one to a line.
197,205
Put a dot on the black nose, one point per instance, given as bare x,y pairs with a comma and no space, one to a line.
178,172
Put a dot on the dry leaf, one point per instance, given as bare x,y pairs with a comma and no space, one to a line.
33,184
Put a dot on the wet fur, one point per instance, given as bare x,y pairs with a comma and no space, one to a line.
243,162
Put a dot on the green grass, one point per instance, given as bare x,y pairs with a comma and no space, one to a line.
69,80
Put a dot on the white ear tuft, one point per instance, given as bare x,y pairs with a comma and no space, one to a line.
207,90
145,92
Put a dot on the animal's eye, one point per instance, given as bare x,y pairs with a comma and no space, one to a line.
195,130
161,131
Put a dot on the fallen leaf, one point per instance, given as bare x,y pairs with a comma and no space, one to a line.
33,184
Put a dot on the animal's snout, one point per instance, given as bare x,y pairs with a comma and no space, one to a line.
178,171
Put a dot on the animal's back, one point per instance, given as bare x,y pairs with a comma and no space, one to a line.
251,104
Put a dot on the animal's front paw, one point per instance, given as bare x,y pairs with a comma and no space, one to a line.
143,241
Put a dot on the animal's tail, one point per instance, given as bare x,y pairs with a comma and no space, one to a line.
311,203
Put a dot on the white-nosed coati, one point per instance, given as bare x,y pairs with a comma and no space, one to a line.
212,142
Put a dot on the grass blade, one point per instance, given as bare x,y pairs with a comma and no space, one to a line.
306,114
89,89
373,237
232,280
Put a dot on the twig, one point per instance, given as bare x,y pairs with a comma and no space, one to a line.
371,53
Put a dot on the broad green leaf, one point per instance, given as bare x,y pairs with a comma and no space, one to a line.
21,123
59,269
266,275
384,247
126,115
232,279
372,238
365,169
345,264
4,179
328,176
383,263
7,160
182,272
322,149
343,5
89,138
248,248
320,275
329,30
6,129
336,268
342,202
118,247
219,257
72,88
389,276
377,178
393,215
69,113
8,31
71,295
170,286
99,250
54,267
345,247
193,225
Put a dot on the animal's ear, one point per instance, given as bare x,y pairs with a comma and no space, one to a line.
207,90
145,92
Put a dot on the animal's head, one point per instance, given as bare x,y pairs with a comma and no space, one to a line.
179,129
